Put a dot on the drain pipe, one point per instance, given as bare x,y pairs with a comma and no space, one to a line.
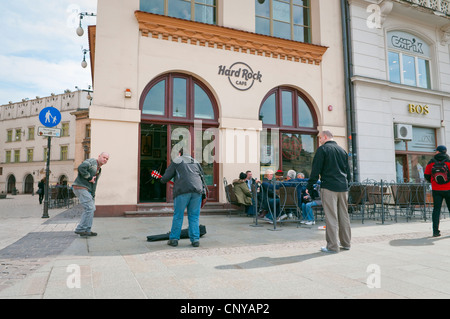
349,94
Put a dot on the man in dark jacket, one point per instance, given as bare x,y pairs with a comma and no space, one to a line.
331,164
439,191
187,193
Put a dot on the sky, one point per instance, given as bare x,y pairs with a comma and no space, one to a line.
40,52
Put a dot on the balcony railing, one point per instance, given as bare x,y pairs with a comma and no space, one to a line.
438,6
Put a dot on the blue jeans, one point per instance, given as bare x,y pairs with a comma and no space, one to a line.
87,201
191,201
307,211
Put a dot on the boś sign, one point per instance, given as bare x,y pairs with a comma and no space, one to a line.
240,75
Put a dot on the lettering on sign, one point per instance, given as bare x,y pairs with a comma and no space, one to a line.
240,75
418,109
407,44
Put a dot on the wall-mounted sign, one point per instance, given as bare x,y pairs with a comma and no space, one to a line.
408,43
418,109
240,75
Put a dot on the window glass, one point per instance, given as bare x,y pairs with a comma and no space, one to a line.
179,9
154,101
263,26
409,70
297,152
179,97
305,118
281,30
262,9
205,14
394,67
268,113
424,73
152,6
286,103
202,104
281,11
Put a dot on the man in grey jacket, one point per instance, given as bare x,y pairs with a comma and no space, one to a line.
84,188
187,193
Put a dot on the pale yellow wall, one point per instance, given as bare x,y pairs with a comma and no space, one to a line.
124,59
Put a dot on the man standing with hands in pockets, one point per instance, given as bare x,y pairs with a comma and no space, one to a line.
84,188
331,164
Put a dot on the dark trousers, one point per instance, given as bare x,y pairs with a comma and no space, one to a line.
438,197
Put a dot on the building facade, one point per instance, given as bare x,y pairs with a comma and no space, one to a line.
401,85
23,157
239,85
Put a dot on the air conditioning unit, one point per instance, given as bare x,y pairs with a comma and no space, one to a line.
403,132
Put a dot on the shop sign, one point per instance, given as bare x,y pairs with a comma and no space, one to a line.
418,109
240,75
408,43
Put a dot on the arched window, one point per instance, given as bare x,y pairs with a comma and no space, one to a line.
178,112
178,97
409,59
288,140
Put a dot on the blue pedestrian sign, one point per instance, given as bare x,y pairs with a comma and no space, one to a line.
50,116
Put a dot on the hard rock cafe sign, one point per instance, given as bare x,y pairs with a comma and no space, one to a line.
240,75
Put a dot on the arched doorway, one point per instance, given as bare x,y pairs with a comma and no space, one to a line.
178,111
289,136
11,184
28,187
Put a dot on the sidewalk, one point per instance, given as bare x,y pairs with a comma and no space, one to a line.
45,259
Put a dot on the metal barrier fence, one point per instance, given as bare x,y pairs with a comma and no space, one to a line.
369,200
61,196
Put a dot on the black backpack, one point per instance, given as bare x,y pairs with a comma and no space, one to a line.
440,172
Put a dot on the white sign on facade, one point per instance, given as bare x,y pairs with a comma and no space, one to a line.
408,43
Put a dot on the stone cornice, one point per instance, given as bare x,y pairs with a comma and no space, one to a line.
212,36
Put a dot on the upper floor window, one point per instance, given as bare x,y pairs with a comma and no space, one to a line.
409,59
9,134
287,19
194,10
31,133
64,129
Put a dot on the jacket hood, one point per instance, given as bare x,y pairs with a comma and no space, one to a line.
238,181
441,157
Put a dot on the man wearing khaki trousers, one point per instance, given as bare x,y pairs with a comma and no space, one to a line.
331,164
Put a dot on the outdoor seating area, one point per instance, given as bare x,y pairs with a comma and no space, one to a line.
379,201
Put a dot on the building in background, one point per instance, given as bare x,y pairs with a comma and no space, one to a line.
240,85
399,69
23,154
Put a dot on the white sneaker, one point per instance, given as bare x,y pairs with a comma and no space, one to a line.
310,222
326,250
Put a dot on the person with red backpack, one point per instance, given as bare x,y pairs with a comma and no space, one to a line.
437,172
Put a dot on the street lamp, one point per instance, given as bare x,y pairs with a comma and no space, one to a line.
84,63
80,30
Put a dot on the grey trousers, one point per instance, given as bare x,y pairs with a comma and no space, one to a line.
335,208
